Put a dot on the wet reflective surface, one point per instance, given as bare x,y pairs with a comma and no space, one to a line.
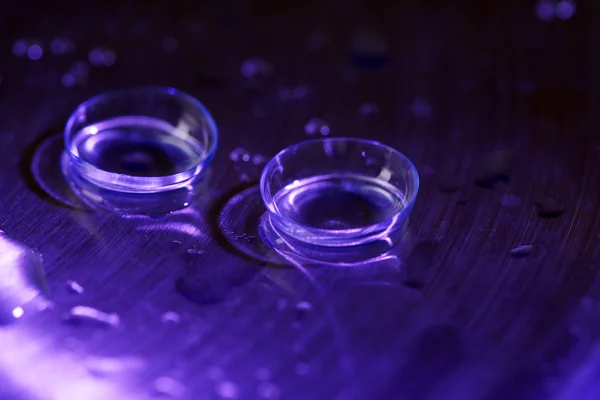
191,304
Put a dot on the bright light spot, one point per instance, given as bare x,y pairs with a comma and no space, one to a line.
17,312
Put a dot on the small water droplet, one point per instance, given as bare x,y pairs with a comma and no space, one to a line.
177,241
194,251
493,167
60,45
522,251
420,108
102,57
263,374
167,386
303,306
74,287
565,9
544,10
256,67
227,390
268,390
105,366
511,200
550,207
35,51
259,159
368,109
169,44
316,125
77,74
240,154
170,317
79,313
302,368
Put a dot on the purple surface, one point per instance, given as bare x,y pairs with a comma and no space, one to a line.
458,318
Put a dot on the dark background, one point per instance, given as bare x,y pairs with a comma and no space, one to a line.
458,318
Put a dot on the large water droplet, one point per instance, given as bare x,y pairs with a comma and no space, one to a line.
22,280
84,313
317,125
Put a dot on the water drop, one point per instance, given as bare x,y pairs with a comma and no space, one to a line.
368,109
20,47
550,207
302,368
565,9
194,251
77,74
22,280
420,108
511,200
169,44
521,251
544,10
316,125
104,366
35,51
170,317
167,386
177,241
493,167
303,306
227,390
369,50
61,45
268,390
256,68
263,374
74,287
80,313
102,57
239,154
259,159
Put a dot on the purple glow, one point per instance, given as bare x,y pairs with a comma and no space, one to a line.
545,10
35,52
565,9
